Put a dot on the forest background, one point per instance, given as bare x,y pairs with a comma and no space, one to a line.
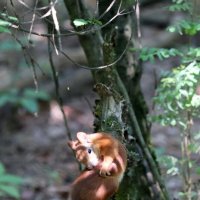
33,132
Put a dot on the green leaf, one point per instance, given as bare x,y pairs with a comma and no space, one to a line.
32,94
12,179
171,29
173,171
10,190
195,102
14,19
30,105
80,22
194,148
168,161
5,23
182,124
173,122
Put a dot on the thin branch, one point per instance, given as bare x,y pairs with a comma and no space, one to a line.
35,10
56,25
139,34
108,9
96,12
59,98
102,66
72,32
33,19
29,59
31,9
56,82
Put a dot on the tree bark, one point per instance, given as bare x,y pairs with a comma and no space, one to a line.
121,109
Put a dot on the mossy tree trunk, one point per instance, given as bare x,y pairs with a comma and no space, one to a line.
121,109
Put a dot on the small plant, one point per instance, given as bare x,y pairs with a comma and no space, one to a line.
178,104
178,100
9,184
27,99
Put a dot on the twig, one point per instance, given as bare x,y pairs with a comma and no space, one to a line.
28,7
57,27
72,32
56,82
36,13
33,19
98,67
29,60
139,34
96,12
108,9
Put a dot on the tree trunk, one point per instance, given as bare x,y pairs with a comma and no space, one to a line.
121,109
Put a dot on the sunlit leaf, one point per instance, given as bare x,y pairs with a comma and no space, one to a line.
10,190
11,18
5,23
7,178
80,22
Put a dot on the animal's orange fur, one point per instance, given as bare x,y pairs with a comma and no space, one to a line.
102,181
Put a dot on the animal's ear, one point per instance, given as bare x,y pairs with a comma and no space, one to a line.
72,144
83,138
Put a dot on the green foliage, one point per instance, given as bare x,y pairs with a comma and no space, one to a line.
6,22
177,101
9,184
9,18
27,99
170,163
185,27
177,94
180,5
150,54
192,54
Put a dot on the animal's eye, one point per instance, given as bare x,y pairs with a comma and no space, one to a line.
89,150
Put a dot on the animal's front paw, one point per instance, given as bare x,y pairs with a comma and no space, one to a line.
104,171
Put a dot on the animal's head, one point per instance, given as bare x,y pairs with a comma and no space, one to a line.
84,150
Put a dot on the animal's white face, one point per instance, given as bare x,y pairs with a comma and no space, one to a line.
85,153
92,158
